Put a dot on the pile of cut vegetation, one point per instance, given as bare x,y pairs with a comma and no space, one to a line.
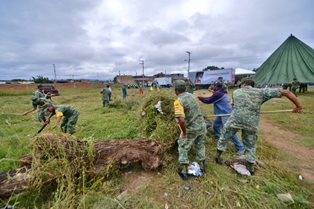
157,121
59,163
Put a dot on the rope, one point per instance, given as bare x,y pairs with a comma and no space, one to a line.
10,113
262,112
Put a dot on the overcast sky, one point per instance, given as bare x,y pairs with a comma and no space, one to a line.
93,39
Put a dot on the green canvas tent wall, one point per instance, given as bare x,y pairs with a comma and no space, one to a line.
293,58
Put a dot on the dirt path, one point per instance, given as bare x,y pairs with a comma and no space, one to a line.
299,156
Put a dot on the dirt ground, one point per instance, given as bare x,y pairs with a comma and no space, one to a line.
299,157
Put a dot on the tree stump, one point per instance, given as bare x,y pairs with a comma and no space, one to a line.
122,153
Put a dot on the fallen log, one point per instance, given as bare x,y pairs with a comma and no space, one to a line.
48,147
13,182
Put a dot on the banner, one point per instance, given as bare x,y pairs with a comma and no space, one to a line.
210,76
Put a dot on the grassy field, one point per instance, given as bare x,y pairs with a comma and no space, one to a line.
220,187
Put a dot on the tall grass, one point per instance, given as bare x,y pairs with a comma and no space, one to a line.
220,187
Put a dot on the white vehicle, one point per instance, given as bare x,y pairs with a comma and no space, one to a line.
163,82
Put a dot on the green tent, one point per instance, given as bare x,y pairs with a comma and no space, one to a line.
292,59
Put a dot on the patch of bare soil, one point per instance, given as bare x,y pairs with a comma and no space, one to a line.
134,179
300,157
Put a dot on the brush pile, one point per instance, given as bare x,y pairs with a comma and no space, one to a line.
157,121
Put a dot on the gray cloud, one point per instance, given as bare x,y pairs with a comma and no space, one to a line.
100,39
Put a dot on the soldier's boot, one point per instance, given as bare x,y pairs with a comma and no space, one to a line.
217,158
183,171
203,166
250,167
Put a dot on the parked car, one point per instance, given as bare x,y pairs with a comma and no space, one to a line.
50,88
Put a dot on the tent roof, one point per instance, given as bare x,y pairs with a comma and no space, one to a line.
293,58
241,71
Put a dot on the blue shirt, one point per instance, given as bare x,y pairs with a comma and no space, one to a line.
220,101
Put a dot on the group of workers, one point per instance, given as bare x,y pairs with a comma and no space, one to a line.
46,109
242,114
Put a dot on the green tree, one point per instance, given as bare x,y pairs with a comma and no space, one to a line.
115,79
41,79
213,68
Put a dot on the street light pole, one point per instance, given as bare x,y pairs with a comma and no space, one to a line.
54,67
142,63
188,62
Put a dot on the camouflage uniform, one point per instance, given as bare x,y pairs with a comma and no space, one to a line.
189,88
187,107
38,100
294,86
105,97
245,116
189,85
41,113
38,94
70,116
224,86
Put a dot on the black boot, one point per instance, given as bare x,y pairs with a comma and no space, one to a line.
203,166
183,171
250,167
217,158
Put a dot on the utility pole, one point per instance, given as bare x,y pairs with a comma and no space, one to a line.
73,81
54,67
142,63
189,62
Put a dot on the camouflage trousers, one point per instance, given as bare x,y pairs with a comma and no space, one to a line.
68,123
294,90
185,144
249,139
105,103
41,115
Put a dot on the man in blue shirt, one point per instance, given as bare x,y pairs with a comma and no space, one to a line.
222,105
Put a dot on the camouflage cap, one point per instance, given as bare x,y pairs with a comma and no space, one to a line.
39,85
179,84
246,79
186,79
45,106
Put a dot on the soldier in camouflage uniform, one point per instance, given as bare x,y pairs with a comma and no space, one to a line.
193,129
224,86
38,100
189,85
68,114
294,86
247,102
106,96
